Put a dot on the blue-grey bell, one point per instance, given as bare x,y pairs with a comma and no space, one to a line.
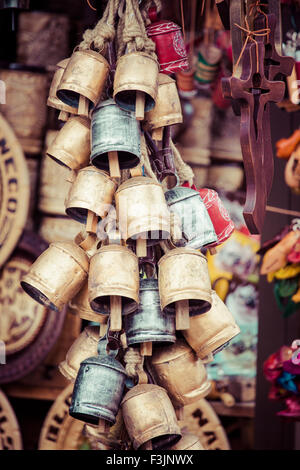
148,323
98,389
114,130
197,228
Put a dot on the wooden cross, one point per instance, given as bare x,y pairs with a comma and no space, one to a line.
253,91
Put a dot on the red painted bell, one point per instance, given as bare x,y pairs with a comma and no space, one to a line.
170,47
218,214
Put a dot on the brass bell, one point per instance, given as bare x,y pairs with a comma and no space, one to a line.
114,283
197,227
208,333
83,80
55,102
177,369
72,145
148,323
142,212
81,304
167,110
114,130
84,347
98,389
184,284
188,442
93,190
136,83
57,275
149,416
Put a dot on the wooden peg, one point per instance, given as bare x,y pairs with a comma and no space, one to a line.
91,222
83,107
103,426
63,116
157,134
212,251
140,105
141,247
146,349
136,171
114,167
103,329
180,413
182,315
115,313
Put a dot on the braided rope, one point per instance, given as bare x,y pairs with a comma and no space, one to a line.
184,171
134,362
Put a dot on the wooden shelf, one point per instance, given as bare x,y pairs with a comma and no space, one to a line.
241,410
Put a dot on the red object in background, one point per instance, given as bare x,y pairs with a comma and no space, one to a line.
217,93
217,212
292,408
297,68
170,47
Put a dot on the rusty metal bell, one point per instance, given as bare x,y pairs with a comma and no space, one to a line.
197,228
177,369
188,441
98,389
53,100
72,144
85,75
84,347
142,211
149,416
114,271
114,130
209,333
136,72
183,275
57,275
93,190
148,323
81,304
167,109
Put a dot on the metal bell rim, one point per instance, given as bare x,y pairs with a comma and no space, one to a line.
91,315
195,245
221,338
63,158
56,103
129,303
138,339
189,193
163,121
160,431
188,440
34,288
67,371
195,395
99,157
181,251
91,415
202,296
80,212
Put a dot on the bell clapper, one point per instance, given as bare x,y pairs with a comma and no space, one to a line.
115,313
157,134
103,329
63,116
91,222
136,171
213,251
182,315
83,107
140,105
114,167
141,247
146,349
103,426
180,413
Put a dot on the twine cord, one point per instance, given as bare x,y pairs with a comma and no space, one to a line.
250,37
184,171
134,362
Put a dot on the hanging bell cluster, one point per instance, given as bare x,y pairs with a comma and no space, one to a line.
158,326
